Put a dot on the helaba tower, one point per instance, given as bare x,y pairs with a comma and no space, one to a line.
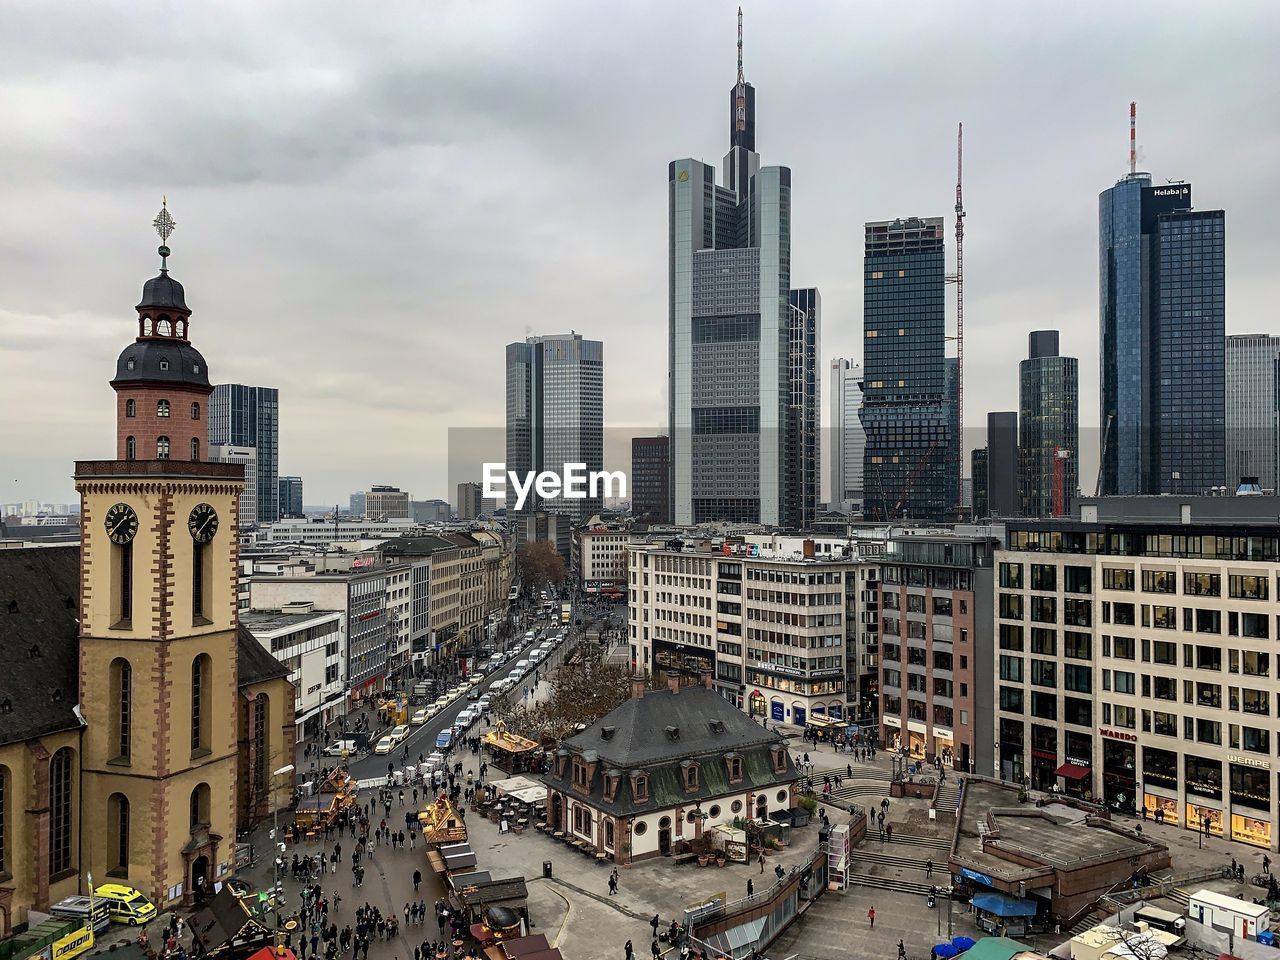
730,332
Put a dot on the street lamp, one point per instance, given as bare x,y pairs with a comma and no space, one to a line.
278,852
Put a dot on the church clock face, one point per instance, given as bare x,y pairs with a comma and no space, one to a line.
121,523
203,523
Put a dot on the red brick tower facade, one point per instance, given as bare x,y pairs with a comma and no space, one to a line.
161,383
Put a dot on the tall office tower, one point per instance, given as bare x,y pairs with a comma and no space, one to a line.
387,503
951,395
1049,422
978,468
290,497
848,441
471,504
730,277
1003,499
357,503
650,479
244,416
1251,408
555,415
907,412
1162,339
804,413
247,457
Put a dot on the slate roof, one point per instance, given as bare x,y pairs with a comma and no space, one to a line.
640,725
254,663
163,291
640,741
39,635
186,364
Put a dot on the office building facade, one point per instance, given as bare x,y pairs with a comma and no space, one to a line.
935,636
651,479
1003,499
980,502
1136,664
907,412
244,416
729,256
290,497
804,411
247,457
386,503
1162,303
848,441
1251,361
555,415
1048,425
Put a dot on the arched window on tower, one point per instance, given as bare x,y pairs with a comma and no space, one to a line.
200,805
164,328
195,448
61,772
162,448
201,714
121,745
195,411
130,448
181,329
162,408
118,835
131,408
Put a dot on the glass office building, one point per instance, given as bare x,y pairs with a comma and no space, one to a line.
1161,339
908,414
1048,421
244,416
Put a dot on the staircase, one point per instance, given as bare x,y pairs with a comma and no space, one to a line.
948,797
1180,896
889,883
888,860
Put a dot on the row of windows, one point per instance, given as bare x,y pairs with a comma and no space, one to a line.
162,409
163,448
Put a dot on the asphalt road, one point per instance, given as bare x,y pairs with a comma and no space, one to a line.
422,739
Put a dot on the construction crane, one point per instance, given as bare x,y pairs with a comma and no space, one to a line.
1060,457
958,279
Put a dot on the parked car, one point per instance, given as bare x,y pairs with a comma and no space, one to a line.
385,745
127,905
338,747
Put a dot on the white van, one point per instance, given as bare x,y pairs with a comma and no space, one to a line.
522,667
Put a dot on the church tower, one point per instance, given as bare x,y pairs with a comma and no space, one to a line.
158,563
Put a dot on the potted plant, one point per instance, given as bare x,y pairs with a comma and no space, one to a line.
702,847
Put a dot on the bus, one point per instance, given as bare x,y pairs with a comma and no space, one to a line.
566,611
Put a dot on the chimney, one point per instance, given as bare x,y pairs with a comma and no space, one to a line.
706,679
637,688
673,683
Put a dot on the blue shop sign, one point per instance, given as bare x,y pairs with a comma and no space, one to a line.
975,875
776,710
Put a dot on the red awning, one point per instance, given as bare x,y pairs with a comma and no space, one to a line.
1073,771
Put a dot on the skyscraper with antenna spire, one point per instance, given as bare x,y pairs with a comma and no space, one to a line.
731,326
1162,328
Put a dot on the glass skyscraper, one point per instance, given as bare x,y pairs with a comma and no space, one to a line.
848,441
803,458
1049,420
907,410
729,389
243,416
1251,408
555,415
1161,339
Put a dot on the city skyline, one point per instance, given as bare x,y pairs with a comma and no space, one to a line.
254,242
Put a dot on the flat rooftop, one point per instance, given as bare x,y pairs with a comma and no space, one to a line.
1054,836
271,620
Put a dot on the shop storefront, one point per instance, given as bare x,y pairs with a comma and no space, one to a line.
1251,830
1119,764
758,706
1250,790
1158,808
1198,816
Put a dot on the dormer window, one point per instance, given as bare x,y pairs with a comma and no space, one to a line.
733,766
640,786
673,733
689,772
579,773
779,759
164,364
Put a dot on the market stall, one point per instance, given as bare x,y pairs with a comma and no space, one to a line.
440,823
325,800
510,751
225,928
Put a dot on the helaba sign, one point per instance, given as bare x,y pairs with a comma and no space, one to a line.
1172,191
574,482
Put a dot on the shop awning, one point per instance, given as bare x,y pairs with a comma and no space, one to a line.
1073,771
1003,905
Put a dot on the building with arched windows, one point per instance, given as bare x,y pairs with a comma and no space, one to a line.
139,722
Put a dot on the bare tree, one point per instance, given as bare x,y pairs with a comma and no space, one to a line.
581,693
1134,944
540,564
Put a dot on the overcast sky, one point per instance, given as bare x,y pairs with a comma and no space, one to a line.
372,199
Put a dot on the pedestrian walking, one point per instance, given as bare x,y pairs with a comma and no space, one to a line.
888,832
928,867
657,954
629,950
751,888
762,862
613,885
902,950
871,915
655,922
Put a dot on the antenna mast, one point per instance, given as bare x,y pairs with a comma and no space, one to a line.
1133,115
958,279
739,46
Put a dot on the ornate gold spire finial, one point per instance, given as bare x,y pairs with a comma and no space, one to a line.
164,224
